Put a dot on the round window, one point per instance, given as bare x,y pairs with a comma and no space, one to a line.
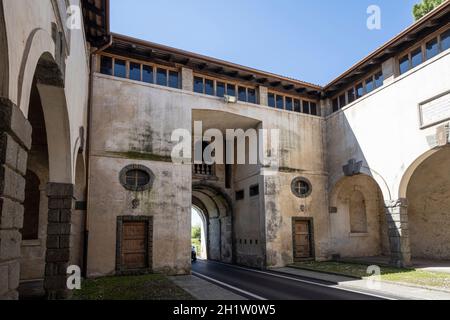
136,178
301,187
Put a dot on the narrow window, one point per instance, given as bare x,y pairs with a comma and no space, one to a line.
351,95
359,90
135,71
289,104
106,65
432,48
242,94
251,95
161,77
280,102
297,105
148,74
335,105
404,64
271,100
379,79
174,79
416,57
120,68
314,110
220,89
254,191
306,108
369,85
231,90
445,40
198,85
209,87
342,102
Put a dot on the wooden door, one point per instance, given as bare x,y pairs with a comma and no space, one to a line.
135,248
302,240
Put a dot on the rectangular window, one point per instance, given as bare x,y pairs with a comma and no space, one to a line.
174,79
120,68
254,191
198,85
416,57
209,87
432,48
369,85
351,95
106,65
147,74
359,90
161,77
379,79
220,89
231,90
240,195
306,108
335,105
242,94
251,95
271,100
342,101
297,106
314,110
445,40
135,71
404,64
289,104
280,102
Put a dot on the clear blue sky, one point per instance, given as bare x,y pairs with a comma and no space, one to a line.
314,41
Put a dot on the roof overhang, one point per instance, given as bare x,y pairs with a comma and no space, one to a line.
423,27
144,50
96,21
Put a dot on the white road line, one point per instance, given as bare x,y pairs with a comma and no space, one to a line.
201,276
307,282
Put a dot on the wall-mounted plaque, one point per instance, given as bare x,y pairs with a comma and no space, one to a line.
435,110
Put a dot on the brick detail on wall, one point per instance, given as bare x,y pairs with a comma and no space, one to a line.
60,204
15,142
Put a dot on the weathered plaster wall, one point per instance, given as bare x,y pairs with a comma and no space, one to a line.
429,208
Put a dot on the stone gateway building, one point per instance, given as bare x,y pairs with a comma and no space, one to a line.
86,138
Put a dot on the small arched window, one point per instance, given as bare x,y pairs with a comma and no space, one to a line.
136,178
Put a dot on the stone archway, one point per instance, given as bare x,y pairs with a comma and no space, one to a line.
428,196
358,222
217,207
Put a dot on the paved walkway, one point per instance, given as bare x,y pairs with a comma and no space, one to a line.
395,291
204,290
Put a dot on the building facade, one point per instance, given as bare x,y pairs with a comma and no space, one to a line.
87,135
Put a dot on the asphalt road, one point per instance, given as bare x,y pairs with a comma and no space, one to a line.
259,285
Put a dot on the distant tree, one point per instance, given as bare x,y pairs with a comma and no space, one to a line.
196,232
424,7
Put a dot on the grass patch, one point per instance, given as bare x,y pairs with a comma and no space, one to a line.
406,276
147,287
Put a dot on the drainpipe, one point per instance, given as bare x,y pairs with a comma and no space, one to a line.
88,147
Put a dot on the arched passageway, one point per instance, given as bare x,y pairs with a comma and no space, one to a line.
217,211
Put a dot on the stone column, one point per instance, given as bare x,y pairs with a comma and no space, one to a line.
60,203
397,220
15,142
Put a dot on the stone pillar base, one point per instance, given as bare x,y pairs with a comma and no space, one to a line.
60,200
397,220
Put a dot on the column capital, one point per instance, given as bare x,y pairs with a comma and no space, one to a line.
397,203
